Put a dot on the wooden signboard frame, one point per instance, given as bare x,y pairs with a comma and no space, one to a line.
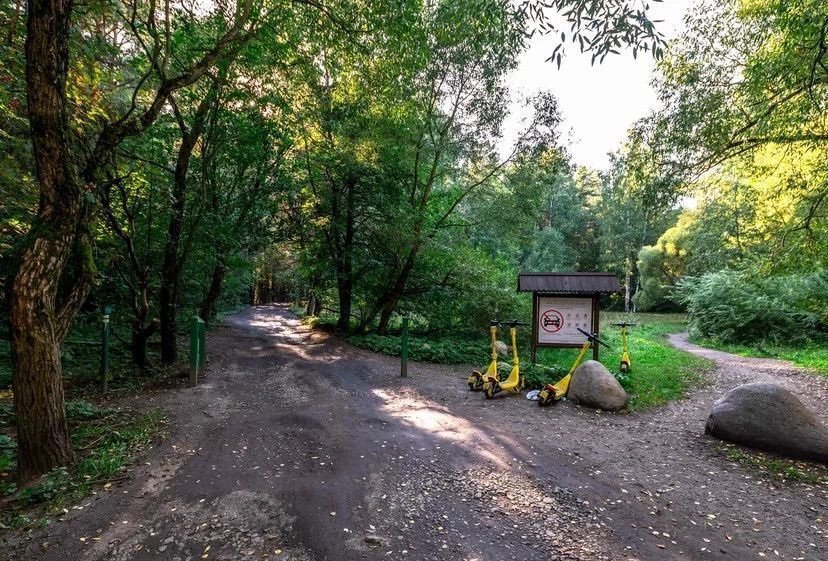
595,322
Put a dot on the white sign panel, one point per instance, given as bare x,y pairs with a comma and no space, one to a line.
560,318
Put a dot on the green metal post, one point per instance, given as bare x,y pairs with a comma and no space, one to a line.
202,343
404,353
195,350
107,311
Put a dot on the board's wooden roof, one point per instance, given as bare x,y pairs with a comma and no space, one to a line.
569,283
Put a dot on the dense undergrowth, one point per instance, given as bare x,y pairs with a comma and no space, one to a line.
106,440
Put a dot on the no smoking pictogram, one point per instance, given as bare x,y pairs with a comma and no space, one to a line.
551,321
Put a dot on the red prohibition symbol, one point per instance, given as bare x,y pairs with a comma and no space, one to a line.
551,321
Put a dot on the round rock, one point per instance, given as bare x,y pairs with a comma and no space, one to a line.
768,417
595,386
502,348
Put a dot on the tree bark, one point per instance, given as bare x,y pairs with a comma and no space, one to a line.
173,257
627,285
208,305
392,296
54,267
40,310
140,336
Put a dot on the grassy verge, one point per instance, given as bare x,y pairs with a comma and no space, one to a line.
813,356
774,467
660,372
106,441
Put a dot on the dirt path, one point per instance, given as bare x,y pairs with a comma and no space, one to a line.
301,447
733,370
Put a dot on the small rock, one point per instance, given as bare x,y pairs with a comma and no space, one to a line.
372,539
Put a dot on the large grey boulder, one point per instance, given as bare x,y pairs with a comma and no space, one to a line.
594,386
768,417
502,348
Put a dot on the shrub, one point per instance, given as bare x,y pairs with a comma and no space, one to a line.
733,307
84,411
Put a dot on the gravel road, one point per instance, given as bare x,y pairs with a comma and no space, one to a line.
300,447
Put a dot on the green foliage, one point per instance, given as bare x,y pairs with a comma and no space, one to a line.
7,454
736,307
80,410
49,487
442,350
6,414
775,468
107,441
662,265
5,365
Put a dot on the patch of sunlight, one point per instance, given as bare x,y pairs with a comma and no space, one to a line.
425,415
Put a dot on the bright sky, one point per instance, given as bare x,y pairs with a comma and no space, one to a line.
599,103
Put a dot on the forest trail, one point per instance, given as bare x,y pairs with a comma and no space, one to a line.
732,370
298,446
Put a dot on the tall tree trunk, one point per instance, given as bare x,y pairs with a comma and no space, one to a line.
170,271
208,305
345,293
40,308
392,296
627,284
173,257
140,336
55,268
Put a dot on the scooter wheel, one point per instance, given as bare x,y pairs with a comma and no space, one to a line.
475,382
489,391
625,367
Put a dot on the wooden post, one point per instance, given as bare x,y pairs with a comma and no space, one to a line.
107,311
404,350
596,324
534,354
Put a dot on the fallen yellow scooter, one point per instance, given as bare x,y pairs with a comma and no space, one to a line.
515,382
477,378
553,392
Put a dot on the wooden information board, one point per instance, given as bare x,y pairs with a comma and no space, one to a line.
557,318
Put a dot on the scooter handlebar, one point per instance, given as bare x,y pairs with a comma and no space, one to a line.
513,323
592,337
625,324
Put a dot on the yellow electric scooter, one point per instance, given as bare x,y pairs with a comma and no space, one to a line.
626,363
553,392
477,378
515,382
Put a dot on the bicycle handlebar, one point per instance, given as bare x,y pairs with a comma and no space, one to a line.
592,337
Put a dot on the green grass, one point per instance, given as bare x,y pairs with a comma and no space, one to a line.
813,355
105,440
774,467
660,372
